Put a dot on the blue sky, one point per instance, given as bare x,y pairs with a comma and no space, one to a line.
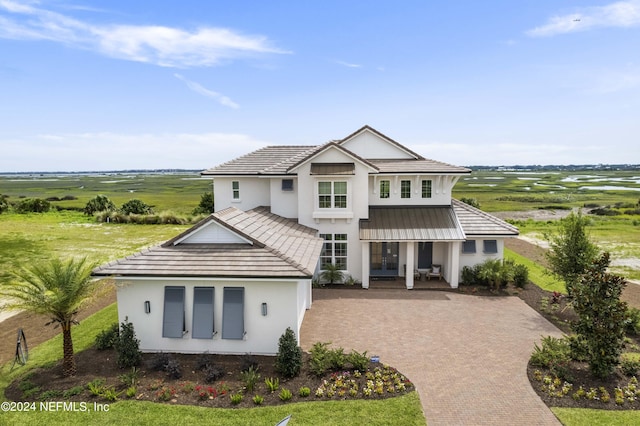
106,85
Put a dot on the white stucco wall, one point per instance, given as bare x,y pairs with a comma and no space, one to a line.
286,305
370,145
284,203
254,192
471,259
440,190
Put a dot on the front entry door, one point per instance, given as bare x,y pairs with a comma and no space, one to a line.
384,259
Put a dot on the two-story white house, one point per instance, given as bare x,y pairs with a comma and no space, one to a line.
235,281
381,208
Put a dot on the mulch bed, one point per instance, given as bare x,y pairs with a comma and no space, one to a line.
561,314
192,387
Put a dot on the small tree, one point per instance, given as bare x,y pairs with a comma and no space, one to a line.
571,252
127,346
206,205
289,357
33,205
331,273
58,289
99,203
136,206
601,316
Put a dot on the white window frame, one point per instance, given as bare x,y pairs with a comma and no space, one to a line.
334,251
235,190
405,188
333,195
385,188
427,189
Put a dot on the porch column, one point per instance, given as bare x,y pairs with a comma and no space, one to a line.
454,260
410,264
365,264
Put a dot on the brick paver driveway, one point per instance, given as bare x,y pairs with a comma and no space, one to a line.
467,355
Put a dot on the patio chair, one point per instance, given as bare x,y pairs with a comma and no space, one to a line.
435,272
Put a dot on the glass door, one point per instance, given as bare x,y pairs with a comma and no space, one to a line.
384,259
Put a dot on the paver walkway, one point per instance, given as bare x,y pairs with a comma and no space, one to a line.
467,355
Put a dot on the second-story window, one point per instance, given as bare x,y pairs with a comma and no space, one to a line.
235,186
405,189
384,188
332,195
426,189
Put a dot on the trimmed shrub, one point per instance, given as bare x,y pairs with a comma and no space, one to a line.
632,321
107,339
359,361
289,357
128,347
554,354
520,275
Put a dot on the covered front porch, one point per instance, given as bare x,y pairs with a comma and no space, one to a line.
413,263
413,243
399,283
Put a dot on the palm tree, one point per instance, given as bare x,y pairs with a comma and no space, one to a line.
58,289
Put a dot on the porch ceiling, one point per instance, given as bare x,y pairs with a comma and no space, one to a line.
411,223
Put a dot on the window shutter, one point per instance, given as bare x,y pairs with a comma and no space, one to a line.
173,320
233,313
203,327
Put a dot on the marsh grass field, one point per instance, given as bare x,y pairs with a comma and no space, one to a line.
518,195
533,200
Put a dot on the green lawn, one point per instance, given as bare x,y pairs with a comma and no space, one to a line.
537,273
590,417
34,237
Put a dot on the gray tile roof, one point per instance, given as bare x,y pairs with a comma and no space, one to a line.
281,248
475,222
411,224
271,160
279,159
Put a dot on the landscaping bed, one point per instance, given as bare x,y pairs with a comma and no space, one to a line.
97,370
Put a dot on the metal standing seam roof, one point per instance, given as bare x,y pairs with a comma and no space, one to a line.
411,224
281,248
476,222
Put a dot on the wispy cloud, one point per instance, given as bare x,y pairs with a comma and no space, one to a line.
154,44
620,14
348,64
201,90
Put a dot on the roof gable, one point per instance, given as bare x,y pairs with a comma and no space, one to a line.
210,232
332,153
272,247
368,143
